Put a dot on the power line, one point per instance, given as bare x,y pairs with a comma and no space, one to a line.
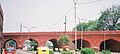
71,9
75,4
62,17
90,2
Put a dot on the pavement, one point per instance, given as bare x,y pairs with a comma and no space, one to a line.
19,51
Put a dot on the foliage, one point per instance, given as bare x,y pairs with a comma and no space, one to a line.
81,26
64,39
67,52
12,43
87,51
105,52
51,52
31,45
92,25
87,26
109,18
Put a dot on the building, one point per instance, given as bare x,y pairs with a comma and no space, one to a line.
1,27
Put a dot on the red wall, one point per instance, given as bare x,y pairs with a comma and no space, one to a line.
93,37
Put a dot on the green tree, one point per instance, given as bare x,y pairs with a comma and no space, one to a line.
64,39
12,43
87,26
33,45
109,18
81,26
92,25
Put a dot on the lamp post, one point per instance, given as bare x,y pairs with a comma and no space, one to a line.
28,29
104,40
80,20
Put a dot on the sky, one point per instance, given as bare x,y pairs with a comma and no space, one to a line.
49,15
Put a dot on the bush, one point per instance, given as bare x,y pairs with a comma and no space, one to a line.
67,52
87,51
51,52
64,39
105,52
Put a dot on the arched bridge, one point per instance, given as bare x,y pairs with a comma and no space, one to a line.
100,39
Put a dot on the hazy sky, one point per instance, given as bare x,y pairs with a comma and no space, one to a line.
47,15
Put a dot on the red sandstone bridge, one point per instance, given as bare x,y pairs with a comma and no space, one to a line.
100,39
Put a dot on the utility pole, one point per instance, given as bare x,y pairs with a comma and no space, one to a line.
79,20
104,39
75,25
65,23
20,27
20,32
81,36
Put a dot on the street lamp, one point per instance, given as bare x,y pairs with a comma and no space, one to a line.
80,20
28,29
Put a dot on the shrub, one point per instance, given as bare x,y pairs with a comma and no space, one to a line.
67,52
64,39
87,51
105,52
51,52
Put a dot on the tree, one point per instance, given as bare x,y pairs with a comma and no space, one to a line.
12,43
92,25
64,39
109,18
87,26
81,26
33,45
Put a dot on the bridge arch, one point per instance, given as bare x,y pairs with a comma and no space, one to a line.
55,43
33,44
10,43
111,45
33,40
85,43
